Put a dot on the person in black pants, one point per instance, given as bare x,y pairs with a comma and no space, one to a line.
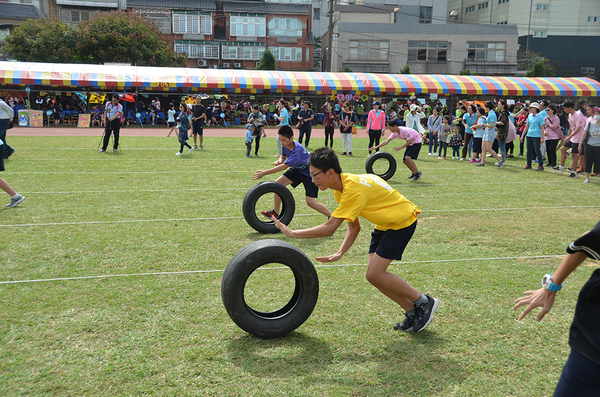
113,113
581,373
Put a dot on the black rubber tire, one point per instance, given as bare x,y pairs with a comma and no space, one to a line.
381,155
286,214
294,313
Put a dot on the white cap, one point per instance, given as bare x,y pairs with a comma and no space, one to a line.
413,107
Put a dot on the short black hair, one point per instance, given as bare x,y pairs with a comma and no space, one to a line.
545,103
255,107
490,105
568,104
286,131
393,123
325,159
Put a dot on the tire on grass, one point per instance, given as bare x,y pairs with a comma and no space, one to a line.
281,321
286,213
378,156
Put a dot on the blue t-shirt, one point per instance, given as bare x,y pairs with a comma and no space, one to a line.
535,125
249,135
286,117
470,120
479,132
543,113
297,158
492,118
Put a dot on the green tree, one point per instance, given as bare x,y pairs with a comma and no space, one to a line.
267,61
119,36
405,70
38,40
540,68
346,69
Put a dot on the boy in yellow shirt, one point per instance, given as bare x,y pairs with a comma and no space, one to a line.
395,218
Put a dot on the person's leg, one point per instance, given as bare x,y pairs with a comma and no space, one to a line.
490,150
410,164
436,138
349,144
391,285
200,136
248,148
181,147
308,132
580,377
284,180
521,146
430,136
116,130
6,187
471,143
538,152
315,205
465,148
529,151
502,146
107,132
257,144
371,140
510,149
483,151
300,136
344,143
445,149
551,150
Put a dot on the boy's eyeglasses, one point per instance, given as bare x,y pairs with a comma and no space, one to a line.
314,175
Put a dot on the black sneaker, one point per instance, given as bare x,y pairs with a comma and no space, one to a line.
406,325
424,313
573,175
412,176
418,176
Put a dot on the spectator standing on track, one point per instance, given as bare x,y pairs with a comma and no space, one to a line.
198,118
554,135
305,117
434,123
534,131
468,120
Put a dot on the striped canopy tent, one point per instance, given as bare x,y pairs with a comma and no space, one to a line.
129,78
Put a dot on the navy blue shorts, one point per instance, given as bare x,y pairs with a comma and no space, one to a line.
412,151
477,145
2,157
297,178
172,124
390,244
580,377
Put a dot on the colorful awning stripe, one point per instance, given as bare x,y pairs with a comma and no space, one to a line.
129,78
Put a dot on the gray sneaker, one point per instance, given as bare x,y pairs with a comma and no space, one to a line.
424,313
418,176
15,201
406,325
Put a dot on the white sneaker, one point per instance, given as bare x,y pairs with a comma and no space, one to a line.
14,201
178,154
462,159
430,154
191,150
586,181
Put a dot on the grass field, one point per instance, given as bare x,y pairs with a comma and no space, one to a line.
484,236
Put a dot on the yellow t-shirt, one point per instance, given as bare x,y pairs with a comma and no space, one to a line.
372,198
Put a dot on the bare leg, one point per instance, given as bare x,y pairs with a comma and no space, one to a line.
277,200
6,187
312,203
391,285
488,147
410,163
575,161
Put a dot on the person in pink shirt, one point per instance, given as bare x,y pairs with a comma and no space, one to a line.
576,125
553,135
412,145
376,124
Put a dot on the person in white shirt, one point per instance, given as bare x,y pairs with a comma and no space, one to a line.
112,117
15,198
6,115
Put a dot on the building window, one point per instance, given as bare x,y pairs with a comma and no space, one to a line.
192,24
287,53
285,27
502,1
247,25
77,15
539,33
502,23
197,49
481,6
432,51
593,19
425,14
317,14
541,7
470,9
486,52
365,50
243,52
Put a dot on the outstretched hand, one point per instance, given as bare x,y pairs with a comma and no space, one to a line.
397,148
371,149
282,226
258,174
539,298
330,258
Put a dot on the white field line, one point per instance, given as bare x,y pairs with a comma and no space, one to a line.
269,268
424,213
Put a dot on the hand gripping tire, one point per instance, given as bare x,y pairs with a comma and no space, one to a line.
381,155
288,206
294,313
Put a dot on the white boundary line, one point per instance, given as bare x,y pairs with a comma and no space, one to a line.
298,215
269,268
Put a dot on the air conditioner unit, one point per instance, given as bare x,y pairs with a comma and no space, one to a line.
237,65
226,65
213,66
201,63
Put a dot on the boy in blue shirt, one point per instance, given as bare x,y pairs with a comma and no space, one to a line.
295,157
